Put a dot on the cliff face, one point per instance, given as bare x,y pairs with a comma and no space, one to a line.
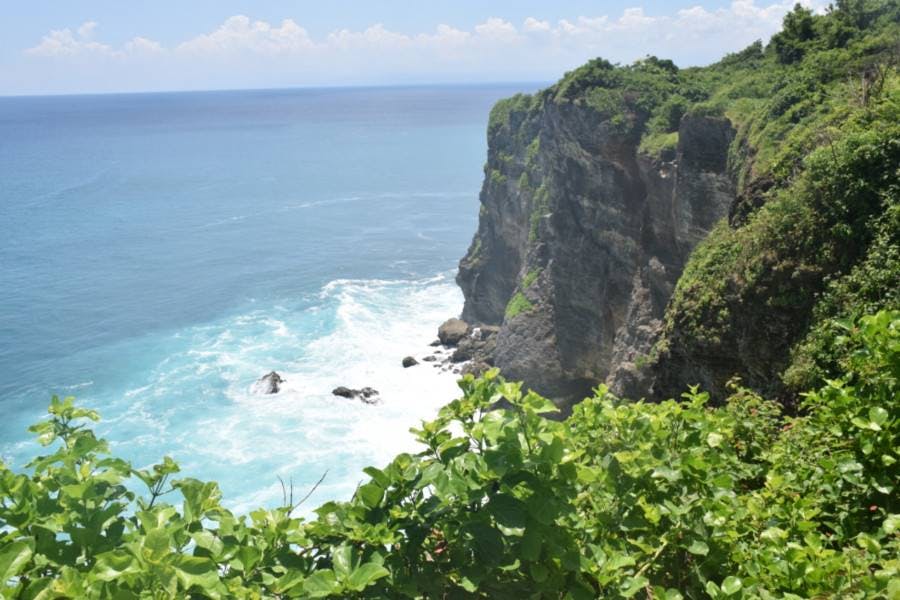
654,228
582,238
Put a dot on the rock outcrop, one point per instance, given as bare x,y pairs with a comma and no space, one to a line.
581,240
366,395
452,331
269,383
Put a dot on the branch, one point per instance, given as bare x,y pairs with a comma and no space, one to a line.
310,493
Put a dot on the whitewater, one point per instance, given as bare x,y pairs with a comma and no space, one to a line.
161,252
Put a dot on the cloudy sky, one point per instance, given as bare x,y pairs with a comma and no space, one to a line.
89,46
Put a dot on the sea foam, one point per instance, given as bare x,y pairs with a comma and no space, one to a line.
198,403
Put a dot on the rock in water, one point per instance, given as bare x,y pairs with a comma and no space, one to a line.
366,394
452,331
409,361
269,383
343,392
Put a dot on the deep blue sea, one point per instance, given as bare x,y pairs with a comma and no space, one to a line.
160,252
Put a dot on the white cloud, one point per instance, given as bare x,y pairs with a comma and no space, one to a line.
142,45
63,42
532,24
243,52
239,33
87,29
497,29
375,36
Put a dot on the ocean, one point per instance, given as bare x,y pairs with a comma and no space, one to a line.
160,252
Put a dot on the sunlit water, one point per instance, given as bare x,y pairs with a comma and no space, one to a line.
160,252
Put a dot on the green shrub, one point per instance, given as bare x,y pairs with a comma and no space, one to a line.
621,500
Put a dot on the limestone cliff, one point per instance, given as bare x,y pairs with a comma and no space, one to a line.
582,236
653,228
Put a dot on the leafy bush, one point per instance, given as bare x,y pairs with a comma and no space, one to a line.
621,500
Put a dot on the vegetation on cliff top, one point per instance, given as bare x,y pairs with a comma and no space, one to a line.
814,233
622,500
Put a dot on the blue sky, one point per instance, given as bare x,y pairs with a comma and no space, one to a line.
48,46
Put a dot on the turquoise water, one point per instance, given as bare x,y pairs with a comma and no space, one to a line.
160,252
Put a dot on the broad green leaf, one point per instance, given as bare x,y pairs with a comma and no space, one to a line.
714,439
341,559
508,510
731,585
370,494
320,584
891,524
878,415
531,542
633,585
699,548
288,581
194,570
366,574
13,557
112,565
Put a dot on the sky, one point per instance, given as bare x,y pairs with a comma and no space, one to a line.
101,46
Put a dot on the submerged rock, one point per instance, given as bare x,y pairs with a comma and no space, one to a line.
409,361
452,331
269,383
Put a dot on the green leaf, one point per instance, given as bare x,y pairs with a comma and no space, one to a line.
508,510
370,494
699,548
878,415
714,439
365,575
633,585
208,541
289,580
891,524
732,585
531,542
543,507
320,584
194,570
342,561
14,557
539,572
112,565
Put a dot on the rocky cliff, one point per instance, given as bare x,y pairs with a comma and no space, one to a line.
598,189
582,236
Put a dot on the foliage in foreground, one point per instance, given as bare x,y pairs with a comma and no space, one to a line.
670,500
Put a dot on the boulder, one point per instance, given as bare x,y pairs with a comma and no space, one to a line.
452,331
409,361
430,358
367,395
269,383
344,392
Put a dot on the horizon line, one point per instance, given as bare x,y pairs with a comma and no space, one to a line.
279,88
